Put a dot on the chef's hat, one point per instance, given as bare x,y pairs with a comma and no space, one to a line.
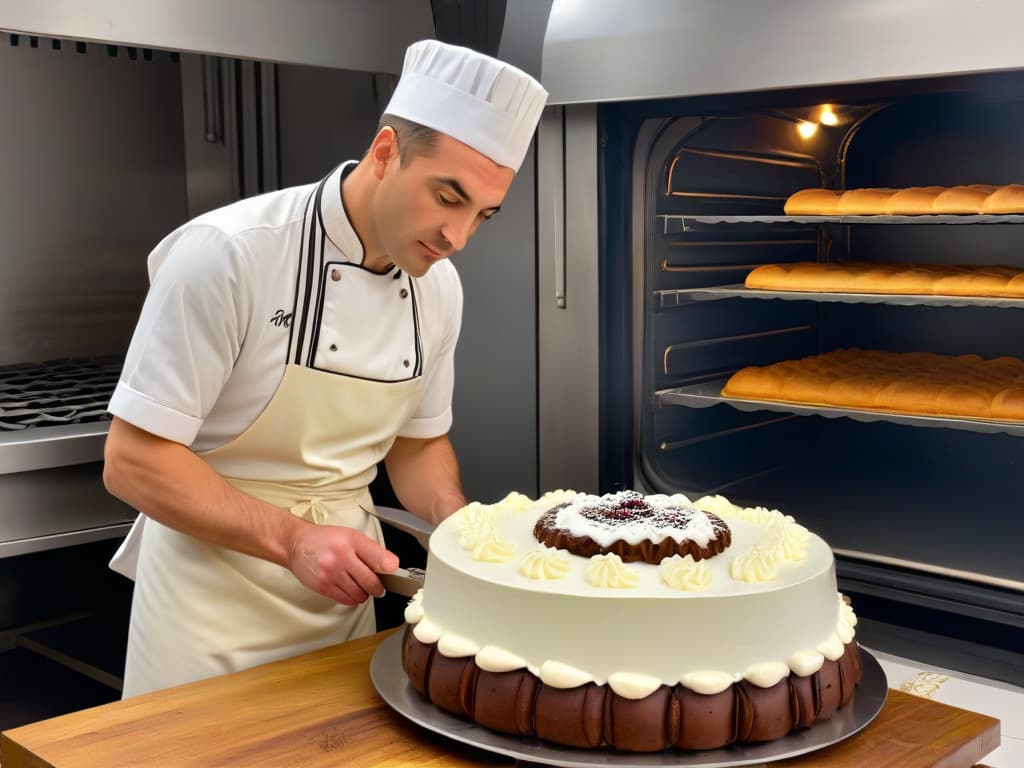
485,103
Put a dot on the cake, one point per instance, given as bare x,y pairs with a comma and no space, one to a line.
637,647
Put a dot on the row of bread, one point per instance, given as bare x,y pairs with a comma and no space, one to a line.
877,277
956,386
912,201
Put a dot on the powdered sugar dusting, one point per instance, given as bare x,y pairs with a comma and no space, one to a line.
629,516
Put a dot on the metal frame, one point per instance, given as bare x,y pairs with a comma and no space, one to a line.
344,34
568,301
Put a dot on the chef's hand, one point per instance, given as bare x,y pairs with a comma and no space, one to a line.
340,563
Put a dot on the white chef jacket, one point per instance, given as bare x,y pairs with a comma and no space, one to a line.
217,326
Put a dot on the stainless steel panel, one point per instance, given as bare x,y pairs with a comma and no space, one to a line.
45,447
569,338
93,176
348,34
54,508
495,401
607,50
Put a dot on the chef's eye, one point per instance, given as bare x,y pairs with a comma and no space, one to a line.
445,200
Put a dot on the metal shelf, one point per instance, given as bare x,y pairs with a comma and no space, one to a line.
682,222
47,447
709,393
675,298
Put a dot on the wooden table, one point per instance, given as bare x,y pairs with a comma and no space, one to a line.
321,709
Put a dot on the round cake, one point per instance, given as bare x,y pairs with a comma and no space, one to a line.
629,622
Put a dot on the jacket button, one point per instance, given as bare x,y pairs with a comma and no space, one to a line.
403,293
335,275
405,363
334,347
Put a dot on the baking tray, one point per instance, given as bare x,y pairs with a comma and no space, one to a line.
393,686
674,298
709,393
681,222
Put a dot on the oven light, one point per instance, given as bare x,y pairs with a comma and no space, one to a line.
828,117
806,129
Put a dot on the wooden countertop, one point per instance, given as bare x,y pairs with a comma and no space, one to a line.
320,709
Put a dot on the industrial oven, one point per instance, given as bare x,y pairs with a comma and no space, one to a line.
603,307
671,146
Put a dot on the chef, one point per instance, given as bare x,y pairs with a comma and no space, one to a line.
288,343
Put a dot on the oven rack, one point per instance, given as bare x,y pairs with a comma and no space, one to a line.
682,222
54,413
679,296
708,393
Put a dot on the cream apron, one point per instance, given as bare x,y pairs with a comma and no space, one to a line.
201,610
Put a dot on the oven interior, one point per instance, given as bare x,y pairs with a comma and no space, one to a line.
922,516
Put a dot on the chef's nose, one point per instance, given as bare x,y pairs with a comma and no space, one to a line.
456,233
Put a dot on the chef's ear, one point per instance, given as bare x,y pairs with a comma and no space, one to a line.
384,150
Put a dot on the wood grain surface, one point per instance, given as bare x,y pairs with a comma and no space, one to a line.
321,709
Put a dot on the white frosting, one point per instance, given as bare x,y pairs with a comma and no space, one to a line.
791,540
491,658
707,681
609,571
766,674
569,631
759,564
456,647
426,631
832,648
571,518
685,573
717,505
806,662
516,502
491,547
545,563
414,608
630,686
560,675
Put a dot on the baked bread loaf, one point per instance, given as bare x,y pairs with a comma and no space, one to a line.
813,202
965,199
864,202
960,386
912,201
872,277
1008,199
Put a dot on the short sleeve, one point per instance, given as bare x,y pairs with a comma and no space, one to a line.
188,336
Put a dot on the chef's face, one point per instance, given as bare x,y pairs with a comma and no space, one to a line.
428,209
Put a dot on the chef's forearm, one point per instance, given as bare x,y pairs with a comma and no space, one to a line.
173,486
424,475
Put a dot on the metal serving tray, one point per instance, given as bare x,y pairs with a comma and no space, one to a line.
677,297
393,686
709,393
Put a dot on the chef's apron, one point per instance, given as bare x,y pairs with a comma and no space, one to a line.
201,610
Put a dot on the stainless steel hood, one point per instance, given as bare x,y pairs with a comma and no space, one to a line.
343,34
614,50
